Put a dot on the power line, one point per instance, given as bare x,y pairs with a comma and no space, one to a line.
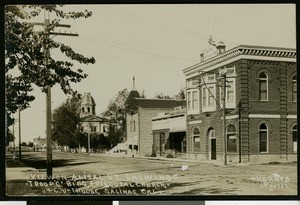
155,23
137,51
139,46
164,26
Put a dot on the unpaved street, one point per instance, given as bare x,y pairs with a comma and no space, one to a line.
80,174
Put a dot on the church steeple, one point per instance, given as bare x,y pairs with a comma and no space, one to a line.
132,95
133,83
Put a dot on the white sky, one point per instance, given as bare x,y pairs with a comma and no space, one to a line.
155,43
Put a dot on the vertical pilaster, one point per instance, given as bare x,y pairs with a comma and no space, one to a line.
243,89
283,110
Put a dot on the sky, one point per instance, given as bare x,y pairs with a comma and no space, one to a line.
154,43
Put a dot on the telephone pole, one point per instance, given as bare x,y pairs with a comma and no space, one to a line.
20,150
47,32
224,120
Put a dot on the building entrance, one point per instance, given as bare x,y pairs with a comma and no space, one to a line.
176,143
213,149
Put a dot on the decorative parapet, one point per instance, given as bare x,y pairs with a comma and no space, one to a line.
243,50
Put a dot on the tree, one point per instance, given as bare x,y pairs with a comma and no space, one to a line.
30,144
182,94
116,114
25,54
66,123
24,144
162,96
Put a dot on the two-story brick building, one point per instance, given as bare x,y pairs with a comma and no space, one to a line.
140,112
260,101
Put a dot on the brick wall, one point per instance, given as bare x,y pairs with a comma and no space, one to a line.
247,92
145,128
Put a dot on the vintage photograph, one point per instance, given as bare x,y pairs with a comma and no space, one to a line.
123,100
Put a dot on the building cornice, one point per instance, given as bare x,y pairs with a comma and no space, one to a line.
245,51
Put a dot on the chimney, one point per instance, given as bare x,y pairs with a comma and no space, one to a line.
221,47
201,57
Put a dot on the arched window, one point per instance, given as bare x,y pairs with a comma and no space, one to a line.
88,109
263,138
263,86
82,109
211,133
231,139
295,138
294,88
196,140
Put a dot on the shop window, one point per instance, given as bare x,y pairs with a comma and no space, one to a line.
195,100
230,92
133,125
189,100
263,87
204,98
196,140
231,139
295,138
263,138
211,100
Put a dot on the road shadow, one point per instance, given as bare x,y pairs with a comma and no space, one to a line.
28,161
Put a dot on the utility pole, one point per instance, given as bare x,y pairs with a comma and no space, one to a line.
20,154
240,137
14,143
224,120
47,32
89,139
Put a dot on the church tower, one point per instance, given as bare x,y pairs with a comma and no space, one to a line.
87,105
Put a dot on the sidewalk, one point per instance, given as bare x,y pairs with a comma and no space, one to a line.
17,174
212,162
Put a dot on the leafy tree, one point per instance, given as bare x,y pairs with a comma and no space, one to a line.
143,94
66,123
162,96
182,94
30,144
24,144
116,114
99,141
26,51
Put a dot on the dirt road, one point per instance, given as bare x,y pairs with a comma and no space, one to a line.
80,174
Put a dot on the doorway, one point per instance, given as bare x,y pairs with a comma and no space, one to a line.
213,150
213,144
